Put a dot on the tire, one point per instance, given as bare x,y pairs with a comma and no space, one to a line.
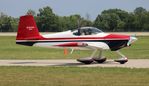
100,60
121,61
85,61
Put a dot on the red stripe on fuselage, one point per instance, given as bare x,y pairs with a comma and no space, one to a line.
113,36
72,44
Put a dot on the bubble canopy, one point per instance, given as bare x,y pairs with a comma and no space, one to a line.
87,31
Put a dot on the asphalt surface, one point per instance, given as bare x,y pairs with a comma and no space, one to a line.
132,63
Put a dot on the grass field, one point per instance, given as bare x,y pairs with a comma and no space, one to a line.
72,76
9,50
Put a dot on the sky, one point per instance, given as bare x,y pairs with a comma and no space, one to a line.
18,8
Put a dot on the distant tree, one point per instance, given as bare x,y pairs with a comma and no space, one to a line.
139,10
5,23
120,20
141,19
120,26
86,21
129,23
31,12
107,21
47,20
70,22
121,13
14,24
73,21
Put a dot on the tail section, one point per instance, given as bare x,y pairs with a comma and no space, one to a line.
27,29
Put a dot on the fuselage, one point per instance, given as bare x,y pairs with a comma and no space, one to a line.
84,37
67,39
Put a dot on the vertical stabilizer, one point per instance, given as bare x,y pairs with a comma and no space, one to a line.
27,29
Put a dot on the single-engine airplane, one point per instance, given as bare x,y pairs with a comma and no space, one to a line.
83,38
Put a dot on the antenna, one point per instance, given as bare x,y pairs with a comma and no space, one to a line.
79,24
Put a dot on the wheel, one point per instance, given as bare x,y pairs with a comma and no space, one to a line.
85,60
121,61
100,60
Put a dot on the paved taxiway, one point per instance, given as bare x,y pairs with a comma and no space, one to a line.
132,63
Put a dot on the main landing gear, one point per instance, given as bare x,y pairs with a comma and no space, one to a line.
91,59
101,59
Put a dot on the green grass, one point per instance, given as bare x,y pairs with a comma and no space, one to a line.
72,76
9,50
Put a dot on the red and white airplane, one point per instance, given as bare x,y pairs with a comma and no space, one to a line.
83,38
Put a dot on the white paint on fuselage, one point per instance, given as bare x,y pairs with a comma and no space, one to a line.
53,45
59,35
98,45
69,34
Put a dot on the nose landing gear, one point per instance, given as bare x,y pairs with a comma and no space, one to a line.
123,58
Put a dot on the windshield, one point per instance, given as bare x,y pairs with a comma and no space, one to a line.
87,31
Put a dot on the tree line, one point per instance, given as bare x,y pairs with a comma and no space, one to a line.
109,20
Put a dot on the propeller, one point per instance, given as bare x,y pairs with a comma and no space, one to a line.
131,40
